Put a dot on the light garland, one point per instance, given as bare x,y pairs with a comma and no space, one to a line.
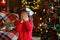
35,6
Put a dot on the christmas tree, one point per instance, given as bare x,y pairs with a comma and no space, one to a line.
51,21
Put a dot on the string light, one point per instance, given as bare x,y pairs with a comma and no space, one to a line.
58,34
40,18
49,19
29,2
40,25
52,7
26,2
27,6
34,7
37,5
33,3
38,1
41,29
43,10
46,30
35,12
23,1
34,0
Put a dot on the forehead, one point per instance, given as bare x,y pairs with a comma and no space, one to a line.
24,12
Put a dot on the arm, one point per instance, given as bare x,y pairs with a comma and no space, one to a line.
28,25
16,22
19,27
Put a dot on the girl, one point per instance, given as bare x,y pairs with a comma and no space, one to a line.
25,26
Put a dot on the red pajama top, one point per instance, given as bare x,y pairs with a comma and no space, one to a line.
25,30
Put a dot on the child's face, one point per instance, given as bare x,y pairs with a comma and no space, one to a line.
23,14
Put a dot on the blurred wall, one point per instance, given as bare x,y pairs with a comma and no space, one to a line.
13,4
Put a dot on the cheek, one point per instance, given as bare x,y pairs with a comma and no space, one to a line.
26,14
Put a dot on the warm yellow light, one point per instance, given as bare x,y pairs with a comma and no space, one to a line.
40,25
58,34
49,19
29,2
26,2
27,6
3,1
33,3
35,12
22,1
41,29
46,30
38,1
36,8
43,10
34,0
52,7
40,18
3,28
37,5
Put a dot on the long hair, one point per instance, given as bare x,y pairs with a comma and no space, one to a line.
24,10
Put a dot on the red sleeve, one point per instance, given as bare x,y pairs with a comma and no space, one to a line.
16,22
29,25
19,27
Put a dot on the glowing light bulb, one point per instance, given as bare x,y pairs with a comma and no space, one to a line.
49,19
40,25
46,30
40,18
52,7
41,29
3,1
43,10
58,34
35,12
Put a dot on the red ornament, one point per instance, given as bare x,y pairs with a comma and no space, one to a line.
52,18
54,0
55,15
2,2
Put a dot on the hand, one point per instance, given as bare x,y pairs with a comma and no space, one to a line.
25,17
22,21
